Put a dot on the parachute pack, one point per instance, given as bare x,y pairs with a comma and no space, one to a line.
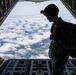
68,33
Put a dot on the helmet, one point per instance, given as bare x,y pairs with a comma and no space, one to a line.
50,10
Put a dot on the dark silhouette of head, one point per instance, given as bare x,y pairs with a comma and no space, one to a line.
51,12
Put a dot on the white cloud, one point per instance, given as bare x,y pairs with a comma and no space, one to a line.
26,27
6,47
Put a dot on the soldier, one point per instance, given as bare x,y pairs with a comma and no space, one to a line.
61,46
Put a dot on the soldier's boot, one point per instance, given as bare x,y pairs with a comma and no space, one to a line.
58,73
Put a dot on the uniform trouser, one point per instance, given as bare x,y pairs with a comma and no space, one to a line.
59,61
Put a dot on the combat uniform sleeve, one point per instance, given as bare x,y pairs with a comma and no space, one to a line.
55,35
52,27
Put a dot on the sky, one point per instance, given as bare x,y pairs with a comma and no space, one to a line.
25,33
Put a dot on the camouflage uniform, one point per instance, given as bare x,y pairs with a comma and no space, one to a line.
62,46
63,39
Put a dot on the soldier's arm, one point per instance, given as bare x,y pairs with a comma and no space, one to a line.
55,35
52,27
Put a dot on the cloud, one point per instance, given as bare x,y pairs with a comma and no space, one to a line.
25,32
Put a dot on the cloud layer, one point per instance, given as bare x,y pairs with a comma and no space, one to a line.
25,33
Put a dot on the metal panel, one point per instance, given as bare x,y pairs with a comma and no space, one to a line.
71,6
5,8
35,67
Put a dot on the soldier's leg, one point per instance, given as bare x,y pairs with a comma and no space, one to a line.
59,63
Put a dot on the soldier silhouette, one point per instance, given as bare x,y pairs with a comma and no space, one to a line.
63,39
